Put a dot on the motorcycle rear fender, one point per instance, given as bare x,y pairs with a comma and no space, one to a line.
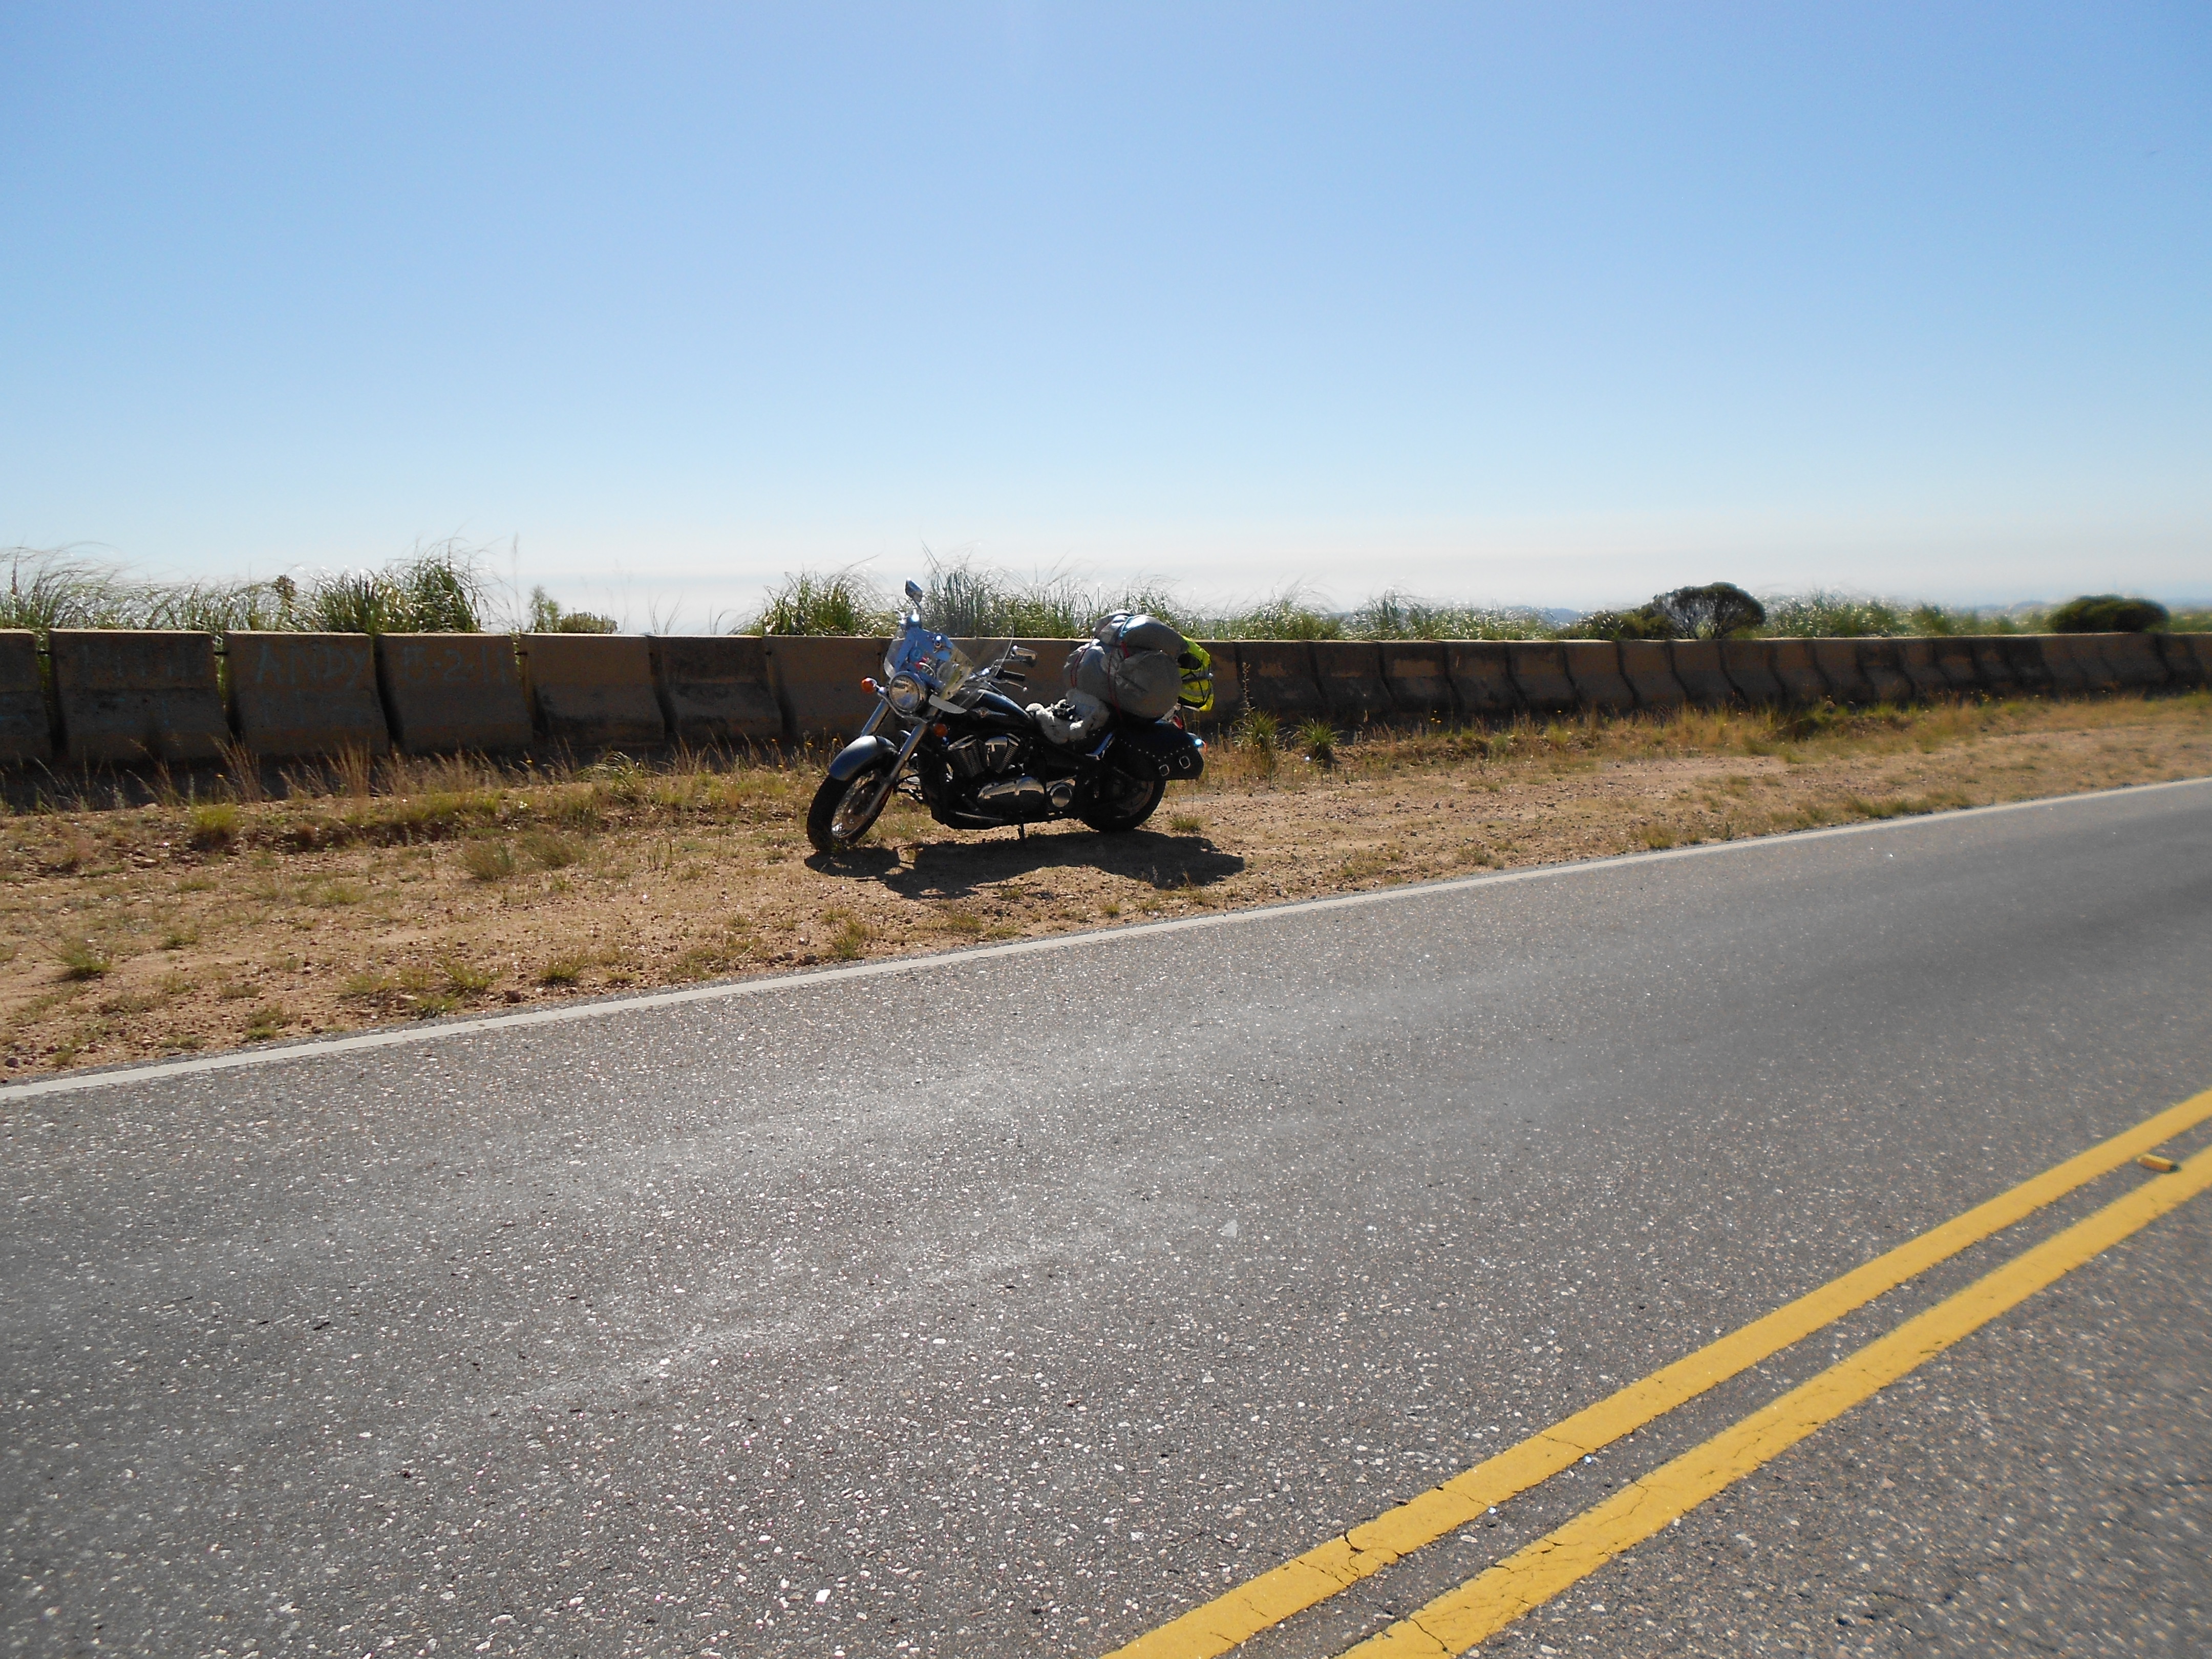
856,757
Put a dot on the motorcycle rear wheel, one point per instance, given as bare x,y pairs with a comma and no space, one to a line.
1124,801
843,811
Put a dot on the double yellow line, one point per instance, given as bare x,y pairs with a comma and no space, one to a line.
1457,1619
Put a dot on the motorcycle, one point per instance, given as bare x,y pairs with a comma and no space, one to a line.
947,733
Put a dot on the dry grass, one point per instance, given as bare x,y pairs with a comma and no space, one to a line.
159,929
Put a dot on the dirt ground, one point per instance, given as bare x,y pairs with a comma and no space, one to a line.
430,888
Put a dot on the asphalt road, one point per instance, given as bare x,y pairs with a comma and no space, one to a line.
1018,1302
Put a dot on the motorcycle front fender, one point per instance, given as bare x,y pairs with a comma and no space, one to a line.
856,757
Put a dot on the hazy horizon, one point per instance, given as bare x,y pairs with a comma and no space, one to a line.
1553,306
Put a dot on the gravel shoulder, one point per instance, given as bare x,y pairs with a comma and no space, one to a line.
194,925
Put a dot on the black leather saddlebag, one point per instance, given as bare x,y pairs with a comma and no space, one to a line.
1168,750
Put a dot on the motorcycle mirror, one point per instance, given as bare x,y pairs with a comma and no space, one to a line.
914,591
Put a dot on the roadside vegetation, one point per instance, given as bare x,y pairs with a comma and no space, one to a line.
408,888
970,601
445,588
450,587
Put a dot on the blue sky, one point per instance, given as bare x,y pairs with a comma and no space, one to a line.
1555,304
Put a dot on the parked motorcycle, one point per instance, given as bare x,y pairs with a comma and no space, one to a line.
951,735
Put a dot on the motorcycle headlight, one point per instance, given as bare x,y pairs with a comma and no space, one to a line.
906,693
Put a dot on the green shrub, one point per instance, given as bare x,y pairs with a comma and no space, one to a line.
440,589
546,616
214,824
58,587
1289,615
1821,615
1392,615
2106,613
1645,623
968,603
843,602
1714,611
1257,729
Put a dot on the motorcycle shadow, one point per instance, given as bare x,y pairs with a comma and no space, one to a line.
959,869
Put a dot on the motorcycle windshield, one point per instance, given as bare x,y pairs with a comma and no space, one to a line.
929,657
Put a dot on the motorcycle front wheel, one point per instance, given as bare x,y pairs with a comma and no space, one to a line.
844,811
1123,802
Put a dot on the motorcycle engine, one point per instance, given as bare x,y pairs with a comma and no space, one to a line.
975,758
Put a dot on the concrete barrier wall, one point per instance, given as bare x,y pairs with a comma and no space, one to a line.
2182,666
2202,649
26,729
1839,663
1419,679
1705,682
1750,666
1799,671
2081,650
1540,676
137,696
296,695
2024,657
1649,668
1278,679
1993,668
2134,660
1955,656
716,692
1918,658
1884,671
2062,663
452,693
123,697
594,691
817,683
1594,670
1481,673
1350,675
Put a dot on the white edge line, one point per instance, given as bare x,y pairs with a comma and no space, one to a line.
725,990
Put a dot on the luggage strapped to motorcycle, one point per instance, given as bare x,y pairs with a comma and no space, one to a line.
1195,688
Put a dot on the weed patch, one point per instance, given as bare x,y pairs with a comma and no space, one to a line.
214,826
848,938
81,959
488,861
549,851
467,979
567,969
